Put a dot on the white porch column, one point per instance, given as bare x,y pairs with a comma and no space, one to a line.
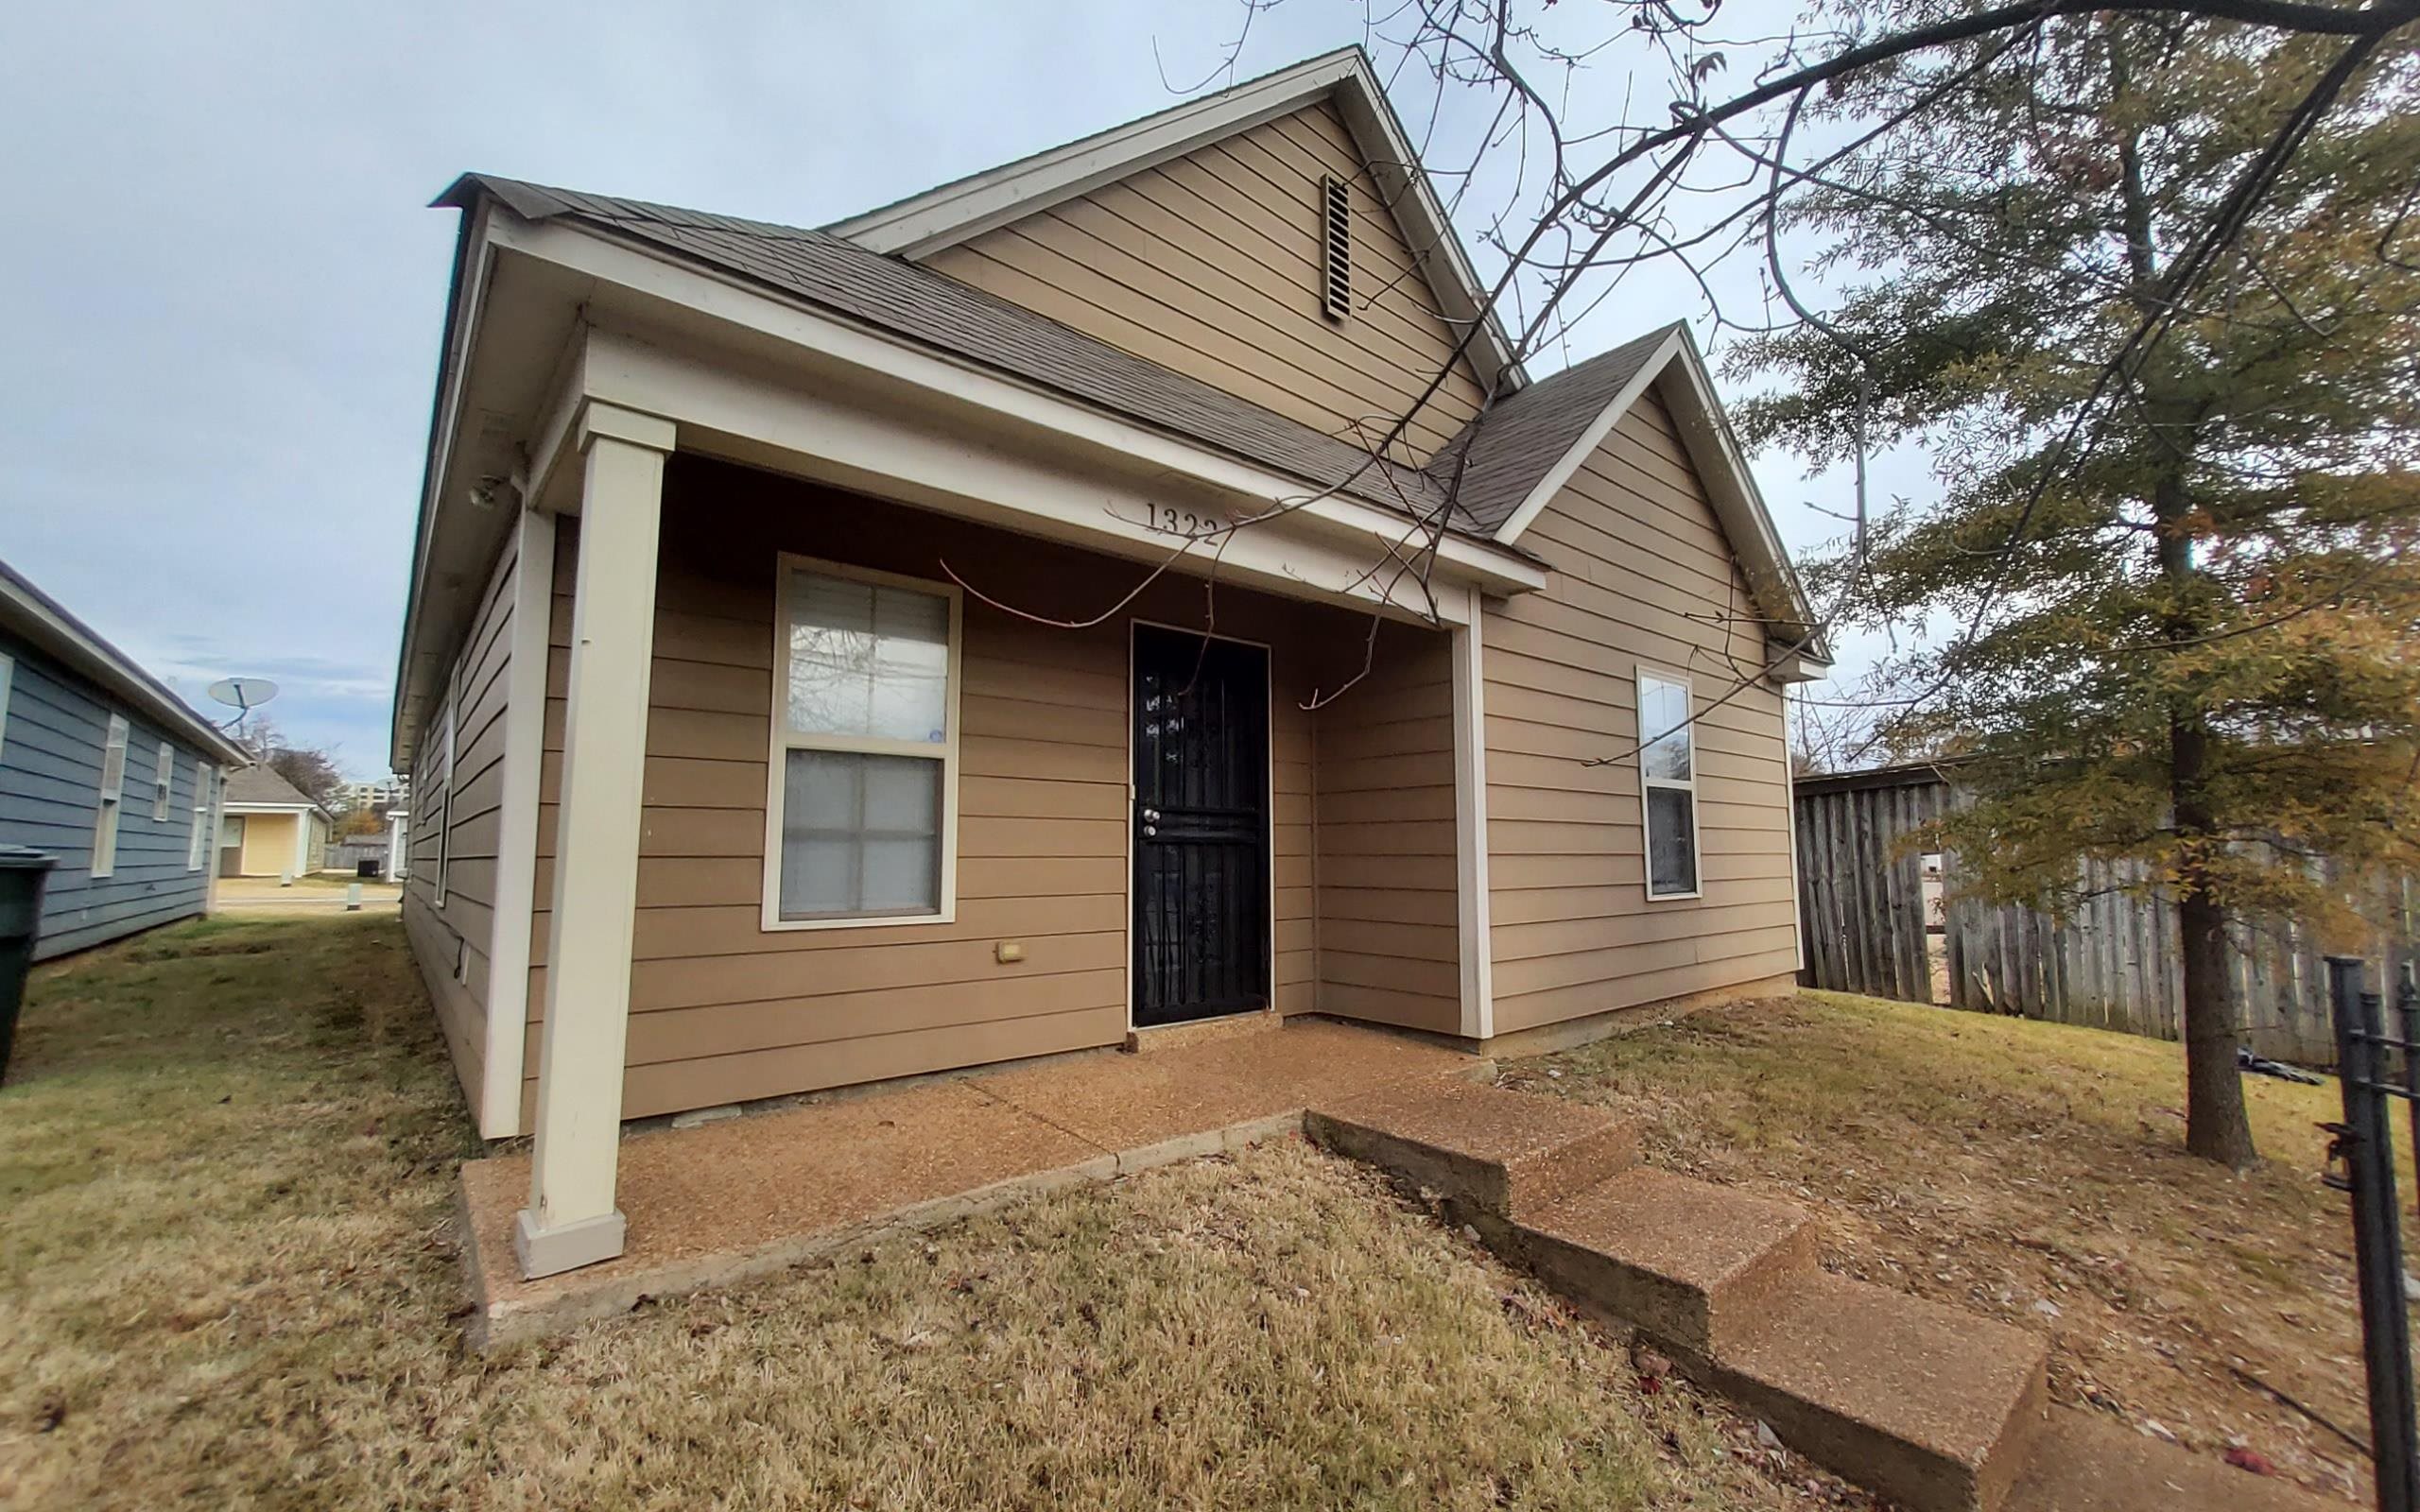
1478,941
572,1219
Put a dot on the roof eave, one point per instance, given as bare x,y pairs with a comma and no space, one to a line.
50,627
1677,373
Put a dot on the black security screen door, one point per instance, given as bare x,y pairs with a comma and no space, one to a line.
1200,827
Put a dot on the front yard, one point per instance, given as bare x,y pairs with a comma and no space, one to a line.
2034,1173
226,1188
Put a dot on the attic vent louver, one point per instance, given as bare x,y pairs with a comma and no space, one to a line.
1336,207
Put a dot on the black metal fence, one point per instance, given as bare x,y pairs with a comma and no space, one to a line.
2362,1163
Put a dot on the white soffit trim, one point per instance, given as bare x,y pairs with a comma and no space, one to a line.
1678,376
731,300
921,225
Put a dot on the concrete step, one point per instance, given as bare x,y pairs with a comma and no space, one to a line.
2080,1463
1692,1263
1932,1407
1499,1154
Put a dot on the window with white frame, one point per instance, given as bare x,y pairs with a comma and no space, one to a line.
7,680
1667,778
445,789
113,790
164,775
196,850
864,784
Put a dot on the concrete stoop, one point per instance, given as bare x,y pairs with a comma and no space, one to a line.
1935,1408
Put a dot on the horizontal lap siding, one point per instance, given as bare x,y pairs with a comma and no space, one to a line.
462,929
722,1010
51,740
1641,573
1389,932
1212,263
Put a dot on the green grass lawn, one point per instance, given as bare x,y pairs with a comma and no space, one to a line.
2034,1173
226,1266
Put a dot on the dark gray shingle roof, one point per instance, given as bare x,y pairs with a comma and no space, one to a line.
260,784
1519,439
933,308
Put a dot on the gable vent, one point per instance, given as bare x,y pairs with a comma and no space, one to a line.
1336,207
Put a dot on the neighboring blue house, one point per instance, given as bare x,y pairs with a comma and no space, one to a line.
106,769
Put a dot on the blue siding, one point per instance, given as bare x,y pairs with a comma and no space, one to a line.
50,798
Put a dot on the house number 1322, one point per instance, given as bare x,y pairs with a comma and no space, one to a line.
1182,521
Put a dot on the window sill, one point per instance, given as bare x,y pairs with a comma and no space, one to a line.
772,924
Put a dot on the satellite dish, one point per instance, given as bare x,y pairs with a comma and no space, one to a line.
243,694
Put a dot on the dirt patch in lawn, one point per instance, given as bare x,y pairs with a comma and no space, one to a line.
226,1177
2034,1173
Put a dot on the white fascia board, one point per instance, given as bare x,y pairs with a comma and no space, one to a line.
1590,440
1706,431
1404,180
923,224
917,227
819,430
738,303
1678,376
475,263
57,635
269,808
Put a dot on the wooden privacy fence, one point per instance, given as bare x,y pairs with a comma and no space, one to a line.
1875,921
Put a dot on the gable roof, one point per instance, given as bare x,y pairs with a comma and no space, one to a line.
44,623
1519,441
262,785
1521,452
965,321
961,209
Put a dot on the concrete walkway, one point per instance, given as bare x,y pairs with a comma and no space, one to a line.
319,895
746,1197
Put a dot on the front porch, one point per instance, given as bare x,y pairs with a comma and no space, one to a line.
837,685
745,1197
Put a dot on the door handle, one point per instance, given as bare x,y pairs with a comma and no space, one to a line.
1150,815
1148,831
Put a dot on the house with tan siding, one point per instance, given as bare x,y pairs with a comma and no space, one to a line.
981,629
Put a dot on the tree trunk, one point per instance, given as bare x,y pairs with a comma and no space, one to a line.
2215,1126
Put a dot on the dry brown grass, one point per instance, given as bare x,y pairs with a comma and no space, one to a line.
225,1181
2035,1173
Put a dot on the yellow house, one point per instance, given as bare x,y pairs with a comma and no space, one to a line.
980,629
271,828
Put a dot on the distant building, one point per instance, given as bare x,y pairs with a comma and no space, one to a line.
389,793
271,828
104,769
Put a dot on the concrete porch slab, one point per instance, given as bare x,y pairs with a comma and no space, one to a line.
723,1202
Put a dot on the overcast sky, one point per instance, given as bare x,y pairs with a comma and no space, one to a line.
220,291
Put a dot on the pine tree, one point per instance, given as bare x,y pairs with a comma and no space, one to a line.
2165,600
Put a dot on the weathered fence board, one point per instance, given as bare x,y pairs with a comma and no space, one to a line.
2114,963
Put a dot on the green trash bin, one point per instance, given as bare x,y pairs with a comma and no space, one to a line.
22,874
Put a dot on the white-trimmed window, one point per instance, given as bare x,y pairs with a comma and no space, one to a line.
163,776
1667,782
862,810
446,786
113,790
7,680
197,848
